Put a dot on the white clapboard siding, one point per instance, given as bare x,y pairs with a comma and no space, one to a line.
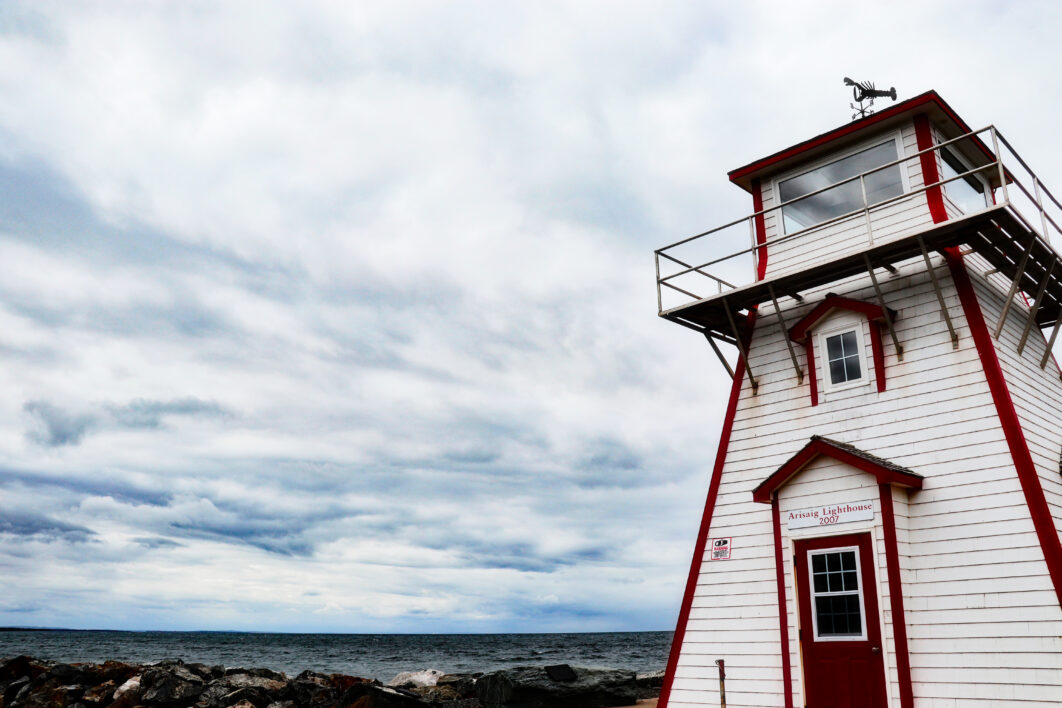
976,589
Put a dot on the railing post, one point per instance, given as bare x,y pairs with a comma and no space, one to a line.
659,295
999,164
1040,206
866,210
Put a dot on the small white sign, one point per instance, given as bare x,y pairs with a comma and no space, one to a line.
719,550
830,514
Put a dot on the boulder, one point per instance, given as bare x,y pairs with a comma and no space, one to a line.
532,687
462,684
259,690
649,683
19,666
372,695
170,685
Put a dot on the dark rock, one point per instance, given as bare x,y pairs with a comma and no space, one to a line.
531,687
342,682
371,694
282,704
170,684
100,694
464,685
649,684
12,688
242,686
20,666
436,694
260,673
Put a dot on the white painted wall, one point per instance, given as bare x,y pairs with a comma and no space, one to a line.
983,623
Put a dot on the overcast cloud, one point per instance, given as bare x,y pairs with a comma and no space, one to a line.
341,316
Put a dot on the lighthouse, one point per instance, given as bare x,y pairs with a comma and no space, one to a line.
882,524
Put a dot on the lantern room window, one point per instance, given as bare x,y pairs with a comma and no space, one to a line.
881,184
968,194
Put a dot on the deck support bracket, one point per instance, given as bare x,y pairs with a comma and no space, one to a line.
715,348
1051,343
940,295
1035,307
740,345
1014,287
884,308
785,336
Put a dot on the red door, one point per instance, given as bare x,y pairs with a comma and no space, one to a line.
839,631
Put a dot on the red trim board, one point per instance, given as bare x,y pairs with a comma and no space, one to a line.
799,331
928,160
820,446
783,614
813,375
1008,418
879,355
899,623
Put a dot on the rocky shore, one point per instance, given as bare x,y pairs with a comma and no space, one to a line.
26,682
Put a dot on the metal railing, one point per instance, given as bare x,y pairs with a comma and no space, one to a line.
682,270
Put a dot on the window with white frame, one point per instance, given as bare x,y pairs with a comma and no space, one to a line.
836,595
843,357
842,350
880,185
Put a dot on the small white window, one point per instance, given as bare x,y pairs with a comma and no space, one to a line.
843,358
841,355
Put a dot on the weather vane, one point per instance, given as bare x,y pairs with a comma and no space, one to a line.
865,91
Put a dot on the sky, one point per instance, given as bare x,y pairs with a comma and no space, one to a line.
341,317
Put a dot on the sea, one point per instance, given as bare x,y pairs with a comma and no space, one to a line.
379,656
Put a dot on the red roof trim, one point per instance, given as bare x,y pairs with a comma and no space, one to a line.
819,446
800,330
929,97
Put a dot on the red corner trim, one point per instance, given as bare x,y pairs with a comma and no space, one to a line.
1008,418
934,198
812,373
706,522
761,230
899,623
833,302
783,614
879,355
818,446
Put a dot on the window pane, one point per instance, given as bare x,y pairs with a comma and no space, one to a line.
848,343
833,347
833,561
851,368
837,374
820,584
880,185
967,193
850,581
818,564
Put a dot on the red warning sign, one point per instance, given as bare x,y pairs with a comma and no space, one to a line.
719,550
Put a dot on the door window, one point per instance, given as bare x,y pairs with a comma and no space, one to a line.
838,602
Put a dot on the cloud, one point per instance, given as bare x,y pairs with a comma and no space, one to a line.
144,413
55,427
26,524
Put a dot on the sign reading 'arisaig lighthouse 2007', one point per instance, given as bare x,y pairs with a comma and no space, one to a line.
830,514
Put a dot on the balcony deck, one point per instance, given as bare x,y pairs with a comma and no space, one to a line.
997,233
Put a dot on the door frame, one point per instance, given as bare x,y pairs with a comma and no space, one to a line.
872,532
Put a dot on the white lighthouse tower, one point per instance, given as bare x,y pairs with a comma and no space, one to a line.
883,516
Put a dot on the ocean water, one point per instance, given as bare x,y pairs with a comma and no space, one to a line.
380,656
